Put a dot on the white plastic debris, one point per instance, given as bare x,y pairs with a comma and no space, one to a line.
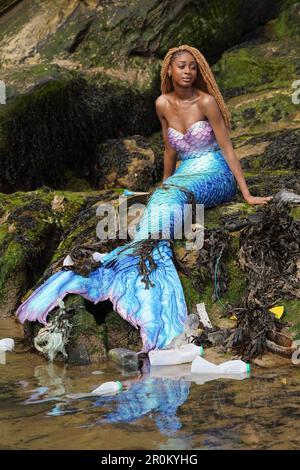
204,318
181,355
98,256
108,388
287,196
191,326
68,261
7,344
202,366
105,389
2,357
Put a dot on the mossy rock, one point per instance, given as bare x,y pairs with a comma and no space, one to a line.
136,34
120,334
39,145
255,77
130,163
32,224
87,342
291,315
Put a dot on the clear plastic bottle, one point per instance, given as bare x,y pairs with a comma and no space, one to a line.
181,355
124,358
191,326
108,388
201,366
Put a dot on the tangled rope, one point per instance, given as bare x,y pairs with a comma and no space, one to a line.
53,338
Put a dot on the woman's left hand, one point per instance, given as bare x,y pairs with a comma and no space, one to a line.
252,200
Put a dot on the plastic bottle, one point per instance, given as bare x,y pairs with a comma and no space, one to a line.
108,388
191,326
2,357
125,358
201,366
181,355
7,344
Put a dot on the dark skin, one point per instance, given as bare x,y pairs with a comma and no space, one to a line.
186,105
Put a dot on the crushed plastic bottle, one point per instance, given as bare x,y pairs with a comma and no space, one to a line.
181,355
7,344
202,366
191,326
125,358
2,357
108,388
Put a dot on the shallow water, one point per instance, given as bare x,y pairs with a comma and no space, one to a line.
156,410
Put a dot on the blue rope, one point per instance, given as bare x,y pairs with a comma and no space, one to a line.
216,284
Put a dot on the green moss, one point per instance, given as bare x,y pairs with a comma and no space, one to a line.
291,314
237,283
253,68
216,216
73,183
268,108
11,261
83,321
295,213
287,25
192,297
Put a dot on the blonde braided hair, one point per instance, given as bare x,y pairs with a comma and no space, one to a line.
205,79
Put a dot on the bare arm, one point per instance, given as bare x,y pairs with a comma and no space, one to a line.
214,115
170,154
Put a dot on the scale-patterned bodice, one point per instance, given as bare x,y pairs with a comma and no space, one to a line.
199,138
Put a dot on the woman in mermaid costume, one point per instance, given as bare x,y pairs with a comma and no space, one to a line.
195,123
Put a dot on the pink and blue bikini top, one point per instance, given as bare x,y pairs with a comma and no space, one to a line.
198,138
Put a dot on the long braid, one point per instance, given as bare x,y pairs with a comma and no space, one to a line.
205,79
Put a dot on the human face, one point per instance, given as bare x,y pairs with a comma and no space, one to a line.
184,69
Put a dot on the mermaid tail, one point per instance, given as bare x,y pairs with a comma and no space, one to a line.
140,279
159,312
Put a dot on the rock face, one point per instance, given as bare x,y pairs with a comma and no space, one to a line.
83,32
30,229
66,94
82,121
57,127
129,163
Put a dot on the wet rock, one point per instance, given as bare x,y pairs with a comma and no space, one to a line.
283,151
128,30
78,355
129,163
218,338
30,230
287,196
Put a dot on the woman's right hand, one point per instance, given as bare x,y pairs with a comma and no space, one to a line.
253,200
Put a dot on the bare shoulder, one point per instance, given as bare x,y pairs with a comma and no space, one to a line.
161,102
206,99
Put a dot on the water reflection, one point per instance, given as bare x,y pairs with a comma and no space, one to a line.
52,381
155,392
158,398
